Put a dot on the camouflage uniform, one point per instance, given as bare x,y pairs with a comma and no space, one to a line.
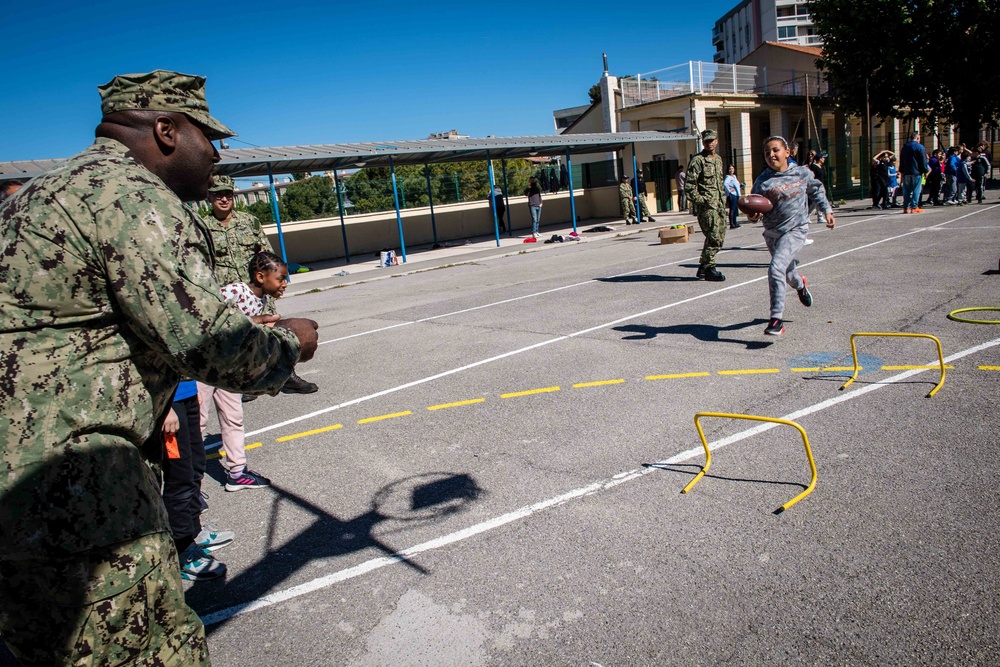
625,199
107,291
704,188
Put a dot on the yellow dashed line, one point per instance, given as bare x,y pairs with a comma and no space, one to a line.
751,371
672,376
368,420
442,406
286,438
843,368
989,368
599,383
544,390
910,368
814,369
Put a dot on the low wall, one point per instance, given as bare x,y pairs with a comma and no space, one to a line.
317,240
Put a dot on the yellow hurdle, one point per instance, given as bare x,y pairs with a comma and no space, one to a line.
773,420
854,352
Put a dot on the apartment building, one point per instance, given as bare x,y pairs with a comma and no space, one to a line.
751,23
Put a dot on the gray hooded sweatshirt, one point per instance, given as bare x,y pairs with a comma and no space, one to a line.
794,192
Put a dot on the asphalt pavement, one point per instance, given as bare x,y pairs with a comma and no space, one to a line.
491,471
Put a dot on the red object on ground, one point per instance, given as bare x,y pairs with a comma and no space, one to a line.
530,239
751,204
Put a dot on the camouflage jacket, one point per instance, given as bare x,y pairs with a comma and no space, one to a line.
107,295
704,183
624,191
235,245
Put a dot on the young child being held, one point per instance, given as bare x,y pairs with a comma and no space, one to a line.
268,279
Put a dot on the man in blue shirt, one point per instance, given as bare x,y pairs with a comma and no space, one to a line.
913,166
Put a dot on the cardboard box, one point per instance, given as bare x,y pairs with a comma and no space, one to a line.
690,229
674,235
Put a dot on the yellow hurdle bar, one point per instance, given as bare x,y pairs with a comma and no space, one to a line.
854,352
773,420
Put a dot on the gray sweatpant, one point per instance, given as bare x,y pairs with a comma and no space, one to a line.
784,260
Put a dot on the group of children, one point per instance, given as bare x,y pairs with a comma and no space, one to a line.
184,459
955,175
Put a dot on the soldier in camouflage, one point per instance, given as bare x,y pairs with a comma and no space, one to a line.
625,201
704,188
107,291
237,237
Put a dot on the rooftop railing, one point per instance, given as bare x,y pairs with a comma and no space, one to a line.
702,77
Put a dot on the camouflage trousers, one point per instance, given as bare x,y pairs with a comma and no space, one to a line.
644,208
60,612
627,207
713,226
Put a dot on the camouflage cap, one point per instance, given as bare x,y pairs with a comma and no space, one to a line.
162,90
709,135
221,184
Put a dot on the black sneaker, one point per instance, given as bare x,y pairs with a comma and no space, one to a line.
650,219
248,397
712,274
248,479
775,327
804,296
297,385
701,273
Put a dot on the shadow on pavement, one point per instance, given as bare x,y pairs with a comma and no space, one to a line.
649,277
414,500
702,332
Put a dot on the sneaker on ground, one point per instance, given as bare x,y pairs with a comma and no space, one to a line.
248,397
248,479
712,274
297,385
651,219
808,242
210,539
906,210
196,565
917,210
804,296
775,327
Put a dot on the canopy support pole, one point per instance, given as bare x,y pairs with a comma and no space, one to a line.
430,200
572,198
399,218
493,199
506,195
635,179
274,212
340,209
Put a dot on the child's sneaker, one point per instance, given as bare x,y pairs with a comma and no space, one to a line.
210,539
775,327
804,296
246,480
196,565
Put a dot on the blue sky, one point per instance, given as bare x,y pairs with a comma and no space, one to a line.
333,72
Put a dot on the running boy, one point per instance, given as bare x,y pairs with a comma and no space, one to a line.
794,191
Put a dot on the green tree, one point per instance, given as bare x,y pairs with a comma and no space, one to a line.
309,198
925,59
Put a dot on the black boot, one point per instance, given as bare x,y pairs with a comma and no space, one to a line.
701,273
712,274
297,385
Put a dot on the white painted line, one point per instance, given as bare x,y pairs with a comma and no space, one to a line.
528,510
575,334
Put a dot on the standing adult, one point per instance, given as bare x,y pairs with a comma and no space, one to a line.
625,201
237,236
682,203
704,188
534,195
639,191
500,207
106,298
913,166
732,185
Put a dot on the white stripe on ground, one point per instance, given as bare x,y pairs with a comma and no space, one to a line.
575,334
529,510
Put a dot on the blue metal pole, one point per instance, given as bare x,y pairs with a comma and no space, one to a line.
635,177
572,199
399,218
506,195
493,199
274,212
340,209
430,200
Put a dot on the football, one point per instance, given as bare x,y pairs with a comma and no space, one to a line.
751,204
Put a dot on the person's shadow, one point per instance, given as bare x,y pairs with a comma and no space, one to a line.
703,332
419,499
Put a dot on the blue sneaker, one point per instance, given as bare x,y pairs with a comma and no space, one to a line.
197,565
210,539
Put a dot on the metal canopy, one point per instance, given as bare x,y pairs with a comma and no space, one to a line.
329,157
